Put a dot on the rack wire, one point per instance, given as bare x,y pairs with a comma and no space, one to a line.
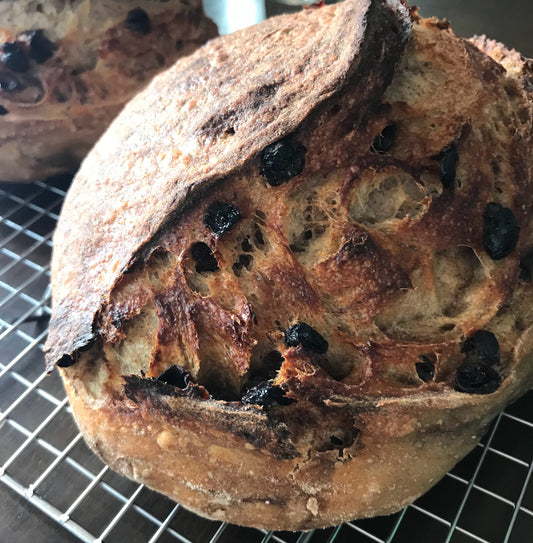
486,498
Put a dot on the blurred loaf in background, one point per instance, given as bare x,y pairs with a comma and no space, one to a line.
68,66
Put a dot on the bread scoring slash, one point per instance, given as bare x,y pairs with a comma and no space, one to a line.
298,296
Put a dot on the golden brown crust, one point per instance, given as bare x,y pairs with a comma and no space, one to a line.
86,62
378,250
203,123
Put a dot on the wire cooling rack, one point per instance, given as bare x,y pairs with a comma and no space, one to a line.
488,497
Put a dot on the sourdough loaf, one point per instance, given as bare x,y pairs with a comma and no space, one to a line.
67,67
292,282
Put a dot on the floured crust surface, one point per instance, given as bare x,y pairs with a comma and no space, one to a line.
72,65
188,379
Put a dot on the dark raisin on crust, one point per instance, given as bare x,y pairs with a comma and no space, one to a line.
484,346
476,378
221,217
302,334
14,58
9,83
265,394
282,160
3,111
138,21
176,376
500,231
41,48
425,369
526,266
66,361
448,165
384,141
204,258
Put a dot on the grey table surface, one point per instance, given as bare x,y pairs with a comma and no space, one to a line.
510,22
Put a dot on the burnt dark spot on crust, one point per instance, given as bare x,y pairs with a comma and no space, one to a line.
358,245
310,340
138,21
448,167
3,111
443,24
425,369
176,376
266,395
221,217
384,141
500,231
14,58
277,441
67,360
259,95
137,389
282,160
220,124
204,258
476,378
484,346
195,404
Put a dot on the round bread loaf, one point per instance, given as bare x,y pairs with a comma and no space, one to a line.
292,282
67,67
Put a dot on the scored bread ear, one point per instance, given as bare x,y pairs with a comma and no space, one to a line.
198,122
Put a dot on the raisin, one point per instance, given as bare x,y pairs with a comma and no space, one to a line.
476,378
302,334
484,346
425,368
266,395
9,83
526,266
41,48
66,361
138,21
3,111
204,258
448,165
500,231
176,376
384,141
282,160
14,58
221,217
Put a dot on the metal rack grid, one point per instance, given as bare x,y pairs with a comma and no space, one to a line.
487,497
